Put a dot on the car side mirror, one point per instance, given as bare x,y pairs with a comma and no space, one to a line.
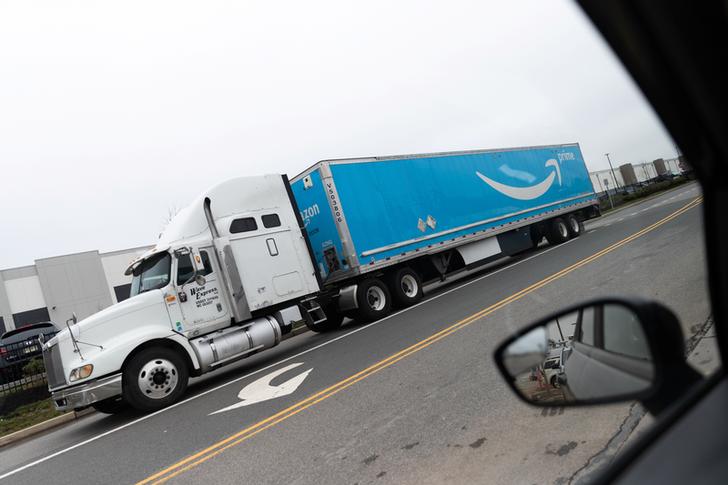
200,280
604,351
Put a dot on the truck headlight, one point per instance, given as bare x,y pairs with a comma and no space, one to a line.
81,372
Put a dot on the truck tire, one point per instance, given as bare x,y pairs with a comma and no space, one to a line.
373,299
558,232
333,320
154,378
574,225
405,285
113,405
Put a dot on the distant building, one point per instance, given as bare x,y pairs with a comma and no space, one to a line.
604,180
660,166
54,288
643,172
628,175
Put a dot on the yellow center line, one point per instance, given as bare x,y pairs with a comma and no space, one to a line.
237,438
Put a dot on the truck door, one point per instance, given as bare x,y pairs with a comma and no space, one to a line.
202,306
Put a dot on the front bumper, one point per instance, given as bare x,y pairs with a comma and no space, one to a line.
85,394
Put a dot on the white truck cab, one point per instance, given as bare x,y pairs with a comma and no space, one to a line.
211,291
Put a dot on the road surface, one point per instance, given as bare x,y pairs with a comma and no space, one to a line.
413,398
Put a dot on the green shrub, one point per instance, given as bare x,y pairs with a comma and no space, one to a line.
34,367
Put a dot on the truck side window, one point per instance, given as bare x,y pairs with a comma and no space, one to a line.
271,220
243,224
185,270
206,263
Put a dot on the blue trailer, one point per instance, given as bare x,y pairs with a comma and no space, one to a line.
403,220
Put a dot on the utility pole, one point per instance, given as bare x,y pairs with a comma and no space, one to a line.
616,184
606,183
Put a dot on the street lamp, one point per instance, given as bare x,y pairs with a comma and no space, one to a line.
616,184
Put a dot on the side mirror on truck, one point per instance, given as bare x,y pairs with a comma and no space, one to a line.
197,264
599,352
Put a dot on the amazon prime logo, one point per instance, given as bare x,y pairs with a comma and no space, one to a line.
308,213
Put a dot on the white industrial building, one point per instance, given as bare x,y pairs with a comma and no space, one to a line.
54,288
604,179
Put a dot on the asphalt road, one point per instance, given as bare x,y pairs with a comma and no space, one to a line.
413,398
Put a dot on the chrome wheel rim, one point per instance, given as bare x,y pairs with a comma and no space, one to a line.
563,230
574,225
409,286
158,378
376,298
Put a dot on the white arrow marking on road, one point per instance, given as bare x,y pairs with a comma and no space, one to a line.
261,390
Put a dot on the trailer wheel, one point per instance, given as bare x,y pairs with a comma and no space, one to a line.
558,231
113,405
373,299
406,287
154,378
575,226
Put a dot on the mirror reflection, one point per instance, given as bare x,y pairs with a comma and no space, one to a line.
595,353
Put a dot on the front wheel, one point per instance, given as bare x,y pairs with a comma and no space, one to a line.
154,378
373,299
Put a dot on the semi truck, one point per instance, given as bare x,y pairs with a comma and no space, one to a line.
352,238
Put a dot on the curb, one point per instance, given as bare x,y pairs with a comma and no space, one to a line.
43,426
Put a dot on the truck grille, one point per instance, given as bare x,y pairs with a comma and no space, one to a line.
54,367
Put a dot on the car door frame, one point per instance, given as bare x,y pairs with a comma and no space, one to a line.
671,53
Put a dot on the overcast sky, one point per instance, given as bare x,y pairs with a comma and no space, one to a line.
111,113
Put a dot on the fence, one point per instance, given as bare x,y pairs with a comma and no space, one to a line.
22,374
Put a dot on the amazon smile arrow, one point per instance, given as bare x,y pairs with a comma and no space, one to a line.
526,193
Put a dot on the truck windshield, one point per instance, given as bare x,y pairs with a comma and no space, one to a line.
151,274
